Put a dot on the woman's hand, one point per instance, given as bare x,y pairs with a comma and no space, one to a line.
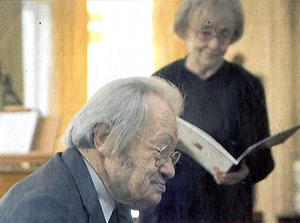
231,177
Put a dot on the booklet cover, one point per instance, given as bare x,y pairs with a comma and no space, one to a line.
204,149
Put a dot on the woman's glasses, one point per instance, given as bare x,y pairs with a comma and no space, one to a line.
206,34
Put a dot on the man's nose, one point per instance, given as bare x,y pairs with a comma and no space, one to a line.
167,169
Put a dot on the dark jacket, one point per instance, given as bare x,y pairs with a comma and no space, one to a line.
61,191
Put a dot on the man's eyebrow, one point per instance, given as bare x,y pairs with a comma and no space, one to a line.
166,139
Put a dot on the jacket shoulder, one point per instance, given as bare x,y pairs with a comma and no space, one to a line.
47,191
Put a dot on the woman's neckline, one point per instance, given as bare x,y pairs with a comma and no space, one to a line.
208,75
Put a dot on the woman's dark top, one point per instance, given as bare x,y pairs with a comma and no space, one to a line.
230,106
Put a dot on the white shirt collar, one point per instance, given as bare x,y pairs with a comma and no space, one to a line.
106,200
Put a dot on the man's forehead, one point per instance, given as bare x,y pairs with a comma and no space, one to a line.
165,138
162,120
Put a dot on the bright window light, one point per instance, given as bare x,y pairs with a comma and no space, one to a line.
120,41
37,50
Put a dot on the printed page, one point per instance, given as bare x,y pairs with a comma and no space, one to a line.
17,131
203,148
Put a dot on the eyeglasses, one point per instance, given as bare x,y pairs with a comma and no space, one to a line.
207,34
164,154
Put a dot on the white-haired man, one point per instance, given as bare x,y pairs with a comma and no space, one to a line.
121,151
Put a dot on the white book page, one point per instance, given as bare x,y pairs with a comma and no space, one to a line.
17,131
203,148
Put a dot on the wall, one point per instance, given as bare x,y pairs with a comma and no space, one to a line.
11,44
296,67
167,47
69,83
269,50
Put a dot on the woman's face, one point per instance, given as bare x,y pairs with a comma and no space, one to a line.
208,37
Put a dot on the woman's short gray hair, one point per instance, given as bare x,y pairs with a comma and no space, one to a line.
122,104
187,8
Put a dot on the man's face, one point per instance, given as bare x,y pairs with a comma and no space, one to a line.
140,183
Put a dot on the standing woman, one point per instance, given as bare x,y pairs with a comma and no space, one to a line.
227,102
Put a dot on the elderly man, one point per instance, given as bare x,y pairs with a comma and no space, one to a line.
121,151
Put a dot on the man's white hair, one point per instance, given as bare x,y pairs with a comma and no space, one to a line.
123,105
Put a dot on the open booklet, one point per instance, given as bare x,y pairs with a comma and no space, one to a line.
209,153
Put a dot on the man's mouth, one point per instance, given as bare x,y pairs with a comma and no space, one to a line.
161,186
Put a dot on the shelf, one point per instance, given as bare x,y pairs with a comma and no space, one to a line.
22,163
43,149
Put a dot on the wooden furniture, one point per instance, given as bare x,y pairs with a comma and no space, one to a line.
288,218
15,167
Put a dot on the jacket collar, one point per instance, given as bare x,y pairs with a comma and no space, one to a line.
75,164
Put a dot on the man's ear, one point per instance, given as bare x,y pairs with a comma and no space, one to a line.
101,131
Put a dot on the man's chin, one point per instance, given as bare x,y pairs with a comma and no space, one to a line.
153,201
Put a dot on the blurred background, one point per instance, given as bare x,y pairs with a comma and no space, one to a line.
55,54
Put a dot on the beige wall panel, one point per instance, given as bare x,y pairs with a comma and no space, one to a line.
11,43
296,70
167,46
69,84
267,46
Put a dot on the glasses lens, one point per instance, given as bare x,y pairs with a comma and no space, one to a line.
207,34
175,157
165,154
